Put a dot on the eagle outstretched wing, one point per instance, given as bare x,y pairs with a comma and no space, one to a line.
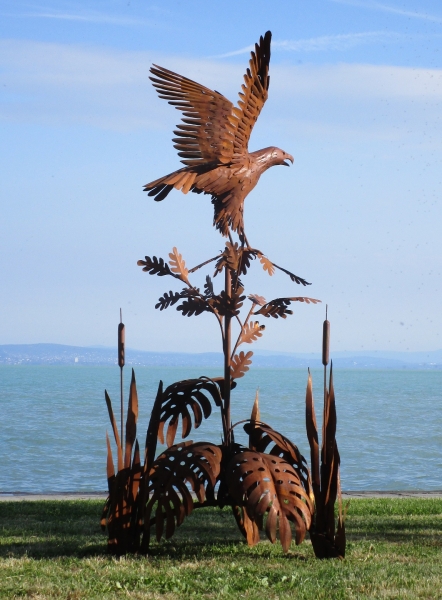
253,95
212,129
205,135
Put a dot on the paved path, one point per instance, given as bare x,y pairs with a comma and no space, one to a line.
103,495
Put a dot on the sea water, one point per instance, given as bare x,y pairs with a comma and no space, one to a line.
53,422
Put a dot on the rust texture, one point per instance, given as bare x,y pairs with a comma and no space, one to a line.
267,483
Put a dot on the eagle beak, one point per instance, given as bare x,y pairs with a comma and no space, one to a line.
289,157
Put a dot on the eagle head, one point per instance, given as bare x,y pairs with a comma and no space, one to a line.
279,157
269,157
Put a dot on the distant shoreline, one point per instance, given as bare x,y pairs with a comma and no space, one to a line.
63,355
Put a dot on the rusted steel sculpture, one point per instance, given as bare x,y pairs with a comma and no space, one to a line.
213,139
327,541
267,484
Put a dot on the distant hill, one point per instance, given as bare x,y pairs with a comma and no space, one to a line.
58,354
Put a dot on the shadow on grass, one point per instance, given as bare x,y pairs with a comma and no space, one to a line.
50,529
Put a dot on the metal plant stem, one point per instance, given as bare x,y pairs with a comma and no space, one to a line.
227,344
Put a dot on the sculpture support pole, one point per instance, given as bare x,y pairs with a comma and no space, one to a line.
227,350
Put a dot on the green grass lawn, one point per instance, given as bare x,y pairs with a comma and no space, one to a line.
55,549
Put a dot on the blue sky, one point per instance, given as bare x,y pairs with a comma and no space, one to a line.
355,96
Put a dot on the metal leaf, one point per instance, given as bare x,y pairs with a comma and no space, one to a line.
168,299
267,264
220,264
247,527
251,332
110,469
208,288
194,306
262,483
240,364
178,266
228,305
312,436
246,256
292,276
232,255
131,420
115,430
257,299
278,307
186,464
254,417
155,266
183,398
263,438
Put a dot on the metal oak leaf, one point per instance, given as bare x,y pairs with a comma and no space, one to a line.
186,464
236,258
251,332
257,299
292,276
240,364
232,255
228,305
194,306
278,307
246,256
180,398
267,264
178,266
168,299
155,266
208,288
220,264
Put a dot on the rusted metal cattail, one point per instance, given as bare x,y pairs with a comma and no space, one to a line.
325,359
325,340
121,358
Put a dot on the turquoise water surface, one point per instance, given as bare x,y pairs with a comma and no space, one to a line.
54,419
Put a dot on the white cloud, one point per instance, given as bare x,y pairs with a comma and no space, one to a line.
89,18
333,42
360,81
65,84
245,50
391,9
321,43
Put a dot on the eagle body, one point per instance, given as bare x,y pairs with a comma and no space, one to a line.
213,140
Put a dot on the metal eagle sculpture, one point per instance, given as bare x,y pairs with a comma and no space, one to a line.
267,482
213,140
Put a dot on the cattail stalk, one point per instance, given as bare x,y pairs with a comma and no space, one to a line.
121,353
325,359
